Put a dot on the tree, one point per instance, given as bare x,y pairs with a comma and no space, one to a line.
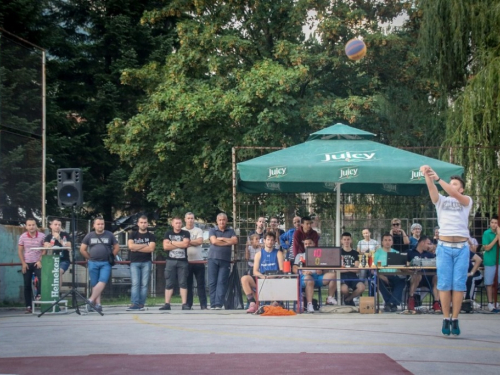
460,41
90,43
246,74
20,112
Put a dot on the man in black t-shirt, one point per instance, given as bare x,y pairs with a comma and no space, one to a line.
57,238
351,287
175,244
141,244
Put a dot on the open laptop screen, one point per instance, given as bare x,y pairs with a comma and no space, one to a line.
396,259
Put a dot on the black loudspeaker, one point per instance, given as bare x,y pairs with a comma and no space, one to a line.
69,187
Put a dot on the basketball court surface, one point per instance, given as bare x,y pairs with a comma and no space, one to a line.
232,342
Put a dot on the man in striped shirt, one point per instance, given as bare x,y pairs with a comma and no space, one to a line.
31,259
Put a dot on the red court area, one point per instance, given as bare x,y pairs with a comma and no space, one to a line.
221,364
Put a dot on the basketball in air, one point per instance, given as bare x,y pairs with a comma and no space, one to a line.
355,49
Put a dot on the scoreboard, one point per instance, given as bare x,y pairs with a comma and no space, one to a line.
323,256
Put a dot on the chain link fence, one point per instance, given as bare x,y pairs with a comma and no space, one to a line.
357,212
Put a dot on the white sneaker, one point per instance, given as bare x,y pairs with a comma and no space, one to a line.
310,308
491,307
331,301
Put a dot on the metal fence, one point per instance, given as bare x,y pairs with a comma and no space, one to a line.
118,287
356,215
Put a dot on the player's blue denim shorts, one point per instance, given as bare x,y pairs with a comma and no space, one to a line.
99,271
452,263
318,280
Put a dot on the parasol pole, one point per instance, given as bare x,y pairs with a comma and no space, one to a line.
337,215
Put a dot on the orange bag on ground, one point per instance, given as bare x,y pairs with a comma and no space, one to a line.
276,311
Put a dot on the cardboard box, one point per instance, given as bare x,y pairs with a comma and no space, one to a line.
366,305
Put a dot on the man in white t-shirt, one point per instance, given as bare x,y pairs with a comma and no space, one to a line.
196,263
366,245
252,249
452,252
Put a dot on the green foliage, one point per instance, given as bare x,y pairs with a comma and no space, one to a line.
465,58
474,127
246,74
20,120
89,44
457,39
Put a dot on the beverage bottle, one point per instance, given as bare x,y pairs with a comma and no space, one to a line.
64,241
52,241
286,267
301,262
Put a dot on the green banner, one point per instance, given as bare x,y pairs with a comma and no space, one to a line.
50,278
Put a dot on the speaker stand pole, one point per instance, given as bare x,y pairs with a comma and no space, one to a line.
75,295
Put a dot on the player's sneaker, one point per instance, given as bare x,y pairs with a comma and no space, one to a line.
411,303
133,308
310,307
436,306
446,327
331,301
455,329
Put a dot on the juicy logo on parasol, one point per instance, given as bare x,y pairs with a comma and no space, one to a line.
350,156
392,188
330,185
275,186
416,175
276,172
348,173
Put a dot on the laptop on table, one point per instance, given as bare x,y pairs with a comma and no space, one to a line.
396,259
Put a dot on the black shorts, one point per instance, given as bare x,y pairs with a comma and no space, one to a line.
426,281
176,270
351,284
